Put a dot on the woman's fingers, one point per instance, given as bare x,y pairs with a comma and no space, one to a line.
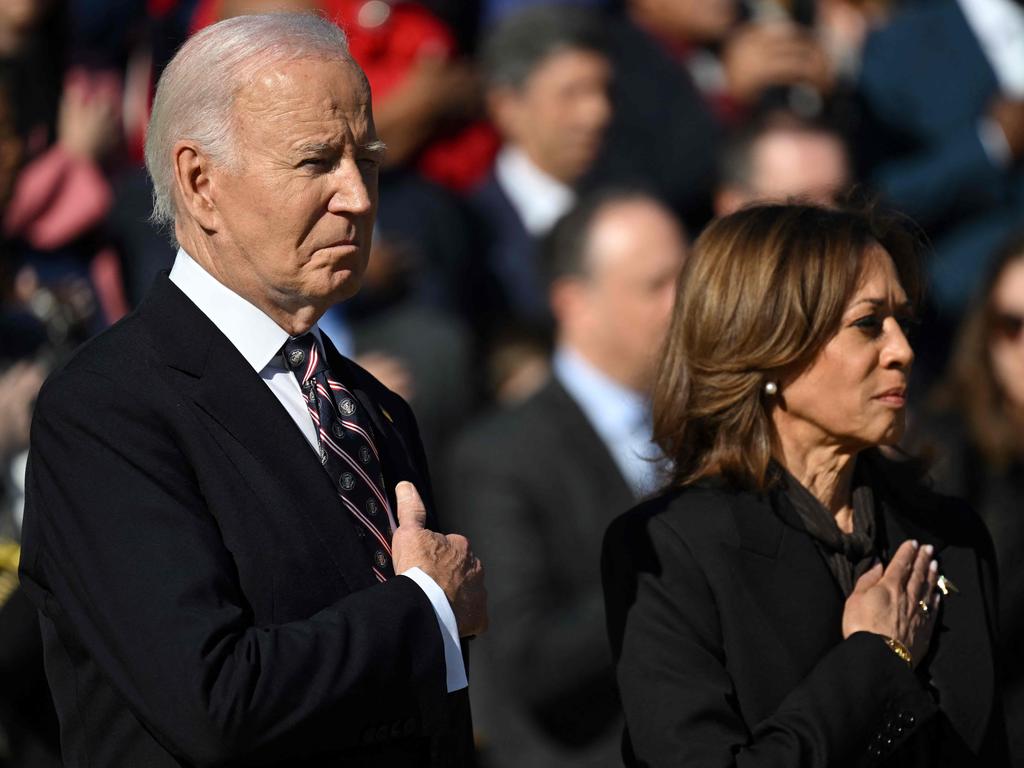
897,573
869,578
932,594
917,584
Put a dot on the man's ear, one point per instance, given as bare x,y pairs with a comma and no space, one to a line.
193,183
504,105
567,296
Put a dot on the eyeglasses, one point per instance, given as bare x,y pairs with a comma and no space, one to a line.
1008,325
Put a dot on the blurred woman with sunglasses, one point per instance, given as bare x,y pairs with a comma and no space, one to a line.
975,437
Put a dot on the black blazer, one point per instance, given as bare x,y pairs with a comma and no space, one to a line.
534,487
204,599
725,623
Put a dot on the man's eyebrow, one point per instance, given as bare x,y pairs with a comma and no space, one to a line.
377,147
314,147
323,147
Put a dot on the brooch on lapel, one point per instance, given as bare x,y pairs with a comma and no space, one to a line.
947,587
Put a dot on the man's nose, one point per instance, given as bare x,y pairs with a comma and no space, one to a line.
353,191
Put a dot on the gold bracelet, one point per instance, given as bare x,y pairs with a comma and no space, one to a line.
900,650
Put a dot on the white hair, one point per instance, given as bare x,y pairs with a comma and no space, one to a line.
196,93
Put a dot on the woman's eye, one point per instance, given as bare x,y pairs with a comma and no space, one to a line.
870,325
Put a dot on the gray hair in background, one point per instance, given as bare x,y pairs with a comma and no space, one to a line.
196,93
520,43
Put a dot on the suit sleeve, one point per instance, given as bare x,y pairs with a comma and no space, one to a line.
941,173
679,700
123,557
550,646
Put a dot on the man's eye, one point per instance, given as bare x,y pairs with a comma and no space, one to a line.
315,162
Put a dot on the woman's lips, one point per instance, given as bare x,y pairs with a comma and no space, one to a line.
893,397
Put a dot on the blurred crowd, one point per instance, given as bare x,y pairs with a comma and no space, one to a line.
549,161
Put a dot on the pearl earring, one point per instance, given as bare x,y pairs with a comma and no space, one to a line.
771,388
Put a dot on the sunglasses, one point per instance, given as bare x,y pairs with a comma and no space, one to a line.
1008,325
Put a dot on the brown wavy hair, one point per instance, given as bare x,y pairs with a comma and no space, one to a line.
971,386
763,291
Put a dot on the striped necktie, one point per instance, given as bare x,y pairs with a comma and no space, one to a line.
347,450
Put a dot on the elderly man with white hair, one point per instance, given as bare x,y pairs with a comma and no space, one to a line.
223,532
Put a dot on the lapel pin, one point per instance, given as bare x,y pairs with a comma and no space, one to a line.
387,415
947,587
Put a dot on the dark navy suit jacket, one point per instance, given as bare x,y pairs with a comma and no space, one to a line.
203,598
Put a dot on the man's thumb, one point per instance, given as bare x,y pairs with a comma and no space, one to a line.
411,512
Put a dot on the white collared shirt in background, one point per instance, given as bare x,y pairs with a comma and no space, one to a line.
998,25
539,199
619,415
259,340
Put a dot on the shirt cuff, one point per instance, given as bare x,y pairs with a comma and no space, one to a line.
455,670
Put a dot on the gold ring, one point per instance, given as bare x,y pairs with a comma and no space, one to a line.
923,606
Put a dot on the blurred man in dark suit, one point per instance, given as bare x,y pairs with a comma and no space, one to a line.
225,570
547,81
538,482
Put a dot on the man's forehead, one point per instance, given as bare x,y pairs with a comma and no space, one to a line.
306,100
305,83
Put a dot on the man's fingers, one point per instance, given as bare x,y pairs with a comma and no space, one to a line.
411,512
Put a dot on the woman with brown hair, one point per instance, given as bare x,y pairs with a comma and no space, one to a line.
794,597
974,433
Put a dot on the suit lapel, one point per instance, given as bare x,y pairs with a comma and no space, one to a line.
225,387
573,426
961,639
788,579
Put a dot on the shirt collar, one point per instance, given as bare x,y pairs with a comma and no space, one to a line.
539,199
609,406
249,329
999,27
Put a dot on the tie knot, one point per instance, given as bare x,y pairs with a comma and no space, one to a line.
302,356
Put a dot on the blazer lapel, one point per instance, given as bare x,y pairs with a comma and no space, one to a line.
788,579
232,394
959,659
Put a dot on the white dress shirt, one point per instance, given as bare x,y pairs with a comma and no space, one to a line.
998,26
539,199
619,415
259,339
